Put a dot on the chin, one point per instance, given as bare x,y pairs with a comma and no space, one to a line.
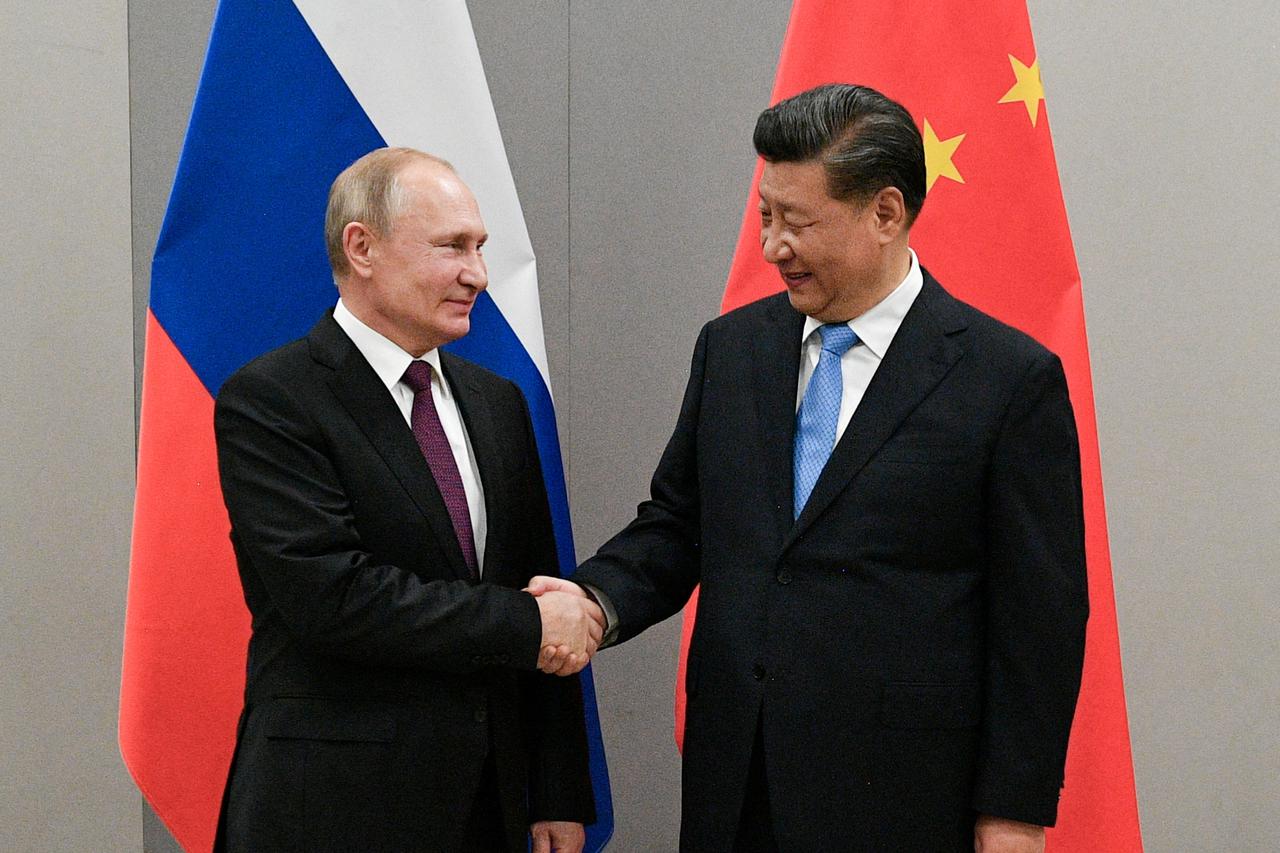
801,303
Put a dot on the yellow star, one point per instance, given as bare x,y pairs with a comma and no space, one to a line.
1028,89
937,157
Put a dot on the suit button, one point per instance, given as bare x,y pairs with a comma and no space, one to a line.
757,672
481,715
503,659
784,576
477,659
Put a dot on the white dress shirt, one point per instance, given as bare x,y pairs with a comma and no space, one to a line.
875,330
389,361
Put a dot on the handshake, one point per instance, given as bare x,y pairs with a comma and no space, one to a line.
572,625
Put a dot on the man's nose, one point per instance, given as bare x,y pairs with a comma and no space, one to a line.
775,248
474,272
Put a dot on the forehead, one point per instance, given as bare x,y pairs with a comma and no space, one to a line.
794,185
436,196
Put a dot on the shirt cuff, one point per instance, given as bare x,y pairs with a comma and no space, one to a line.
610,615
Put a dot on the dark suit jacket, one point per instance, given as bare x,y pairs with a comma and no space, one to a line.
911,646
379,677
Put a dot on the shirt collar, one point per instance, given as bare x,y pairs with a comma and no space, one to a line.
877,326
387,359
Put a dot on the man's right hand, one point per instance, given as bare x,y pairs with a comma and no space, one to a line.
572,626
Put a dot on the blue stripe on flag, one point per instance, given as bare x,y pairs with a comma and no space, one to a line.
240,266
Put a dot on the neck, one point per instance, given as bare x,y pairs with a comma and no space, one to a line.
896,269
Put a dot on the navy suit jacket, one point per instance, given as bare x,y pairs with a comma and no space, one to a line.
910,647
380,677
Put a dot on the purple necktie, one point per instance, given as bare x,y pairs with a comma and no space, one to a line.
444,468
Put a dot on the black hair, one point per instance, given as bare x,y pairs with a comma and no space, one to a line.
866,142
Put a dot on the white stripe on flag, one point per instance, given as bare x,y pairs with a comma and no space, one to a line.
415,69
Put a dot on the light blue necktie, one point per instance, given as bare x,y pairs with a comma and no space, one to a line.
820,411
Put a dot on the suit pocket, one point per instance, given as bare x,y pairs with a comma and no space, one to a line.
349,773
928,705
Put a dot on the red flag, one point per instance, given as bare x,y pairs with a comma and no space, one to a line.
187,626
994,231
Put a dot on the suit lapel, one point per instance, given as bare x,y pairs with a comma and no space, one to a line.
777,366
367,402
926,346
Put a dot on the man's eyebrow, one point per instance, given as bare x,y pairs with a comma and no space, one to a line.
793,207
780,203
459,236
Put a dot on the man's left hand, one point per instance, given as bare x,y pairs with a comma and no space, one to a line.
557,836
1001,835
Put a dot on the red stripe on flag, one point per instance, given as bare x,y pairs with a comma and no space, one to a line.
997,238
186,625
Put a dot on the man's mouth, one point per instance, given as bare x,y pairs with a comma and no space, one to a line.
795,279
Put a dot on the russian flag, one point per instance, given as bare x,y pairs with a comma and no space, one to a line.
291,93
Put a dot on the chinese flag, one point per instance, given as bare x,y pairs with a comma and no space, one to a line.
994,231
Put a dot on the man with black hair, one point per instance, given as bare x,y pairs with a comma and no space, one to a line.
878,489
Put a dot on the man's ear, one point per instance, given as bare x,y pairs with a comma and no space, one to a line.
358,243
890,211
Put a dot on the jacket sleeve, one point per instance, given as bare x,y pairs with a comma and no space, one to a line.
300,552
1037,600
649,570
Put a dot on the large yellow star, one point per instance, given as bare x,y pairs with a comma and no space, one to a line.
1028,89
937,157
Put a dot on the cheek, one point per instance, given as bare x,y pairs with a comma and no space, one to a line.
433,279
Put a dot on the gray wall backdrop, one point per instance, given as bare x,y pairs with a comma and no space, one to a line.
628,130
66,424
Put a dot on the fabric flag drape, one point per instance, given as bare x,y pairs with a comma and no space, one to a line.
291,93
994,230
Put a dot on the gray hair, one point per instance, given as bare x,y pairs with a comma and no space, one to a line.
369,191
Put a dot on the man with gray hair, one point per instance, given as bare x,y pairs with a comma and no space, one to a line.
387,507
878,489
